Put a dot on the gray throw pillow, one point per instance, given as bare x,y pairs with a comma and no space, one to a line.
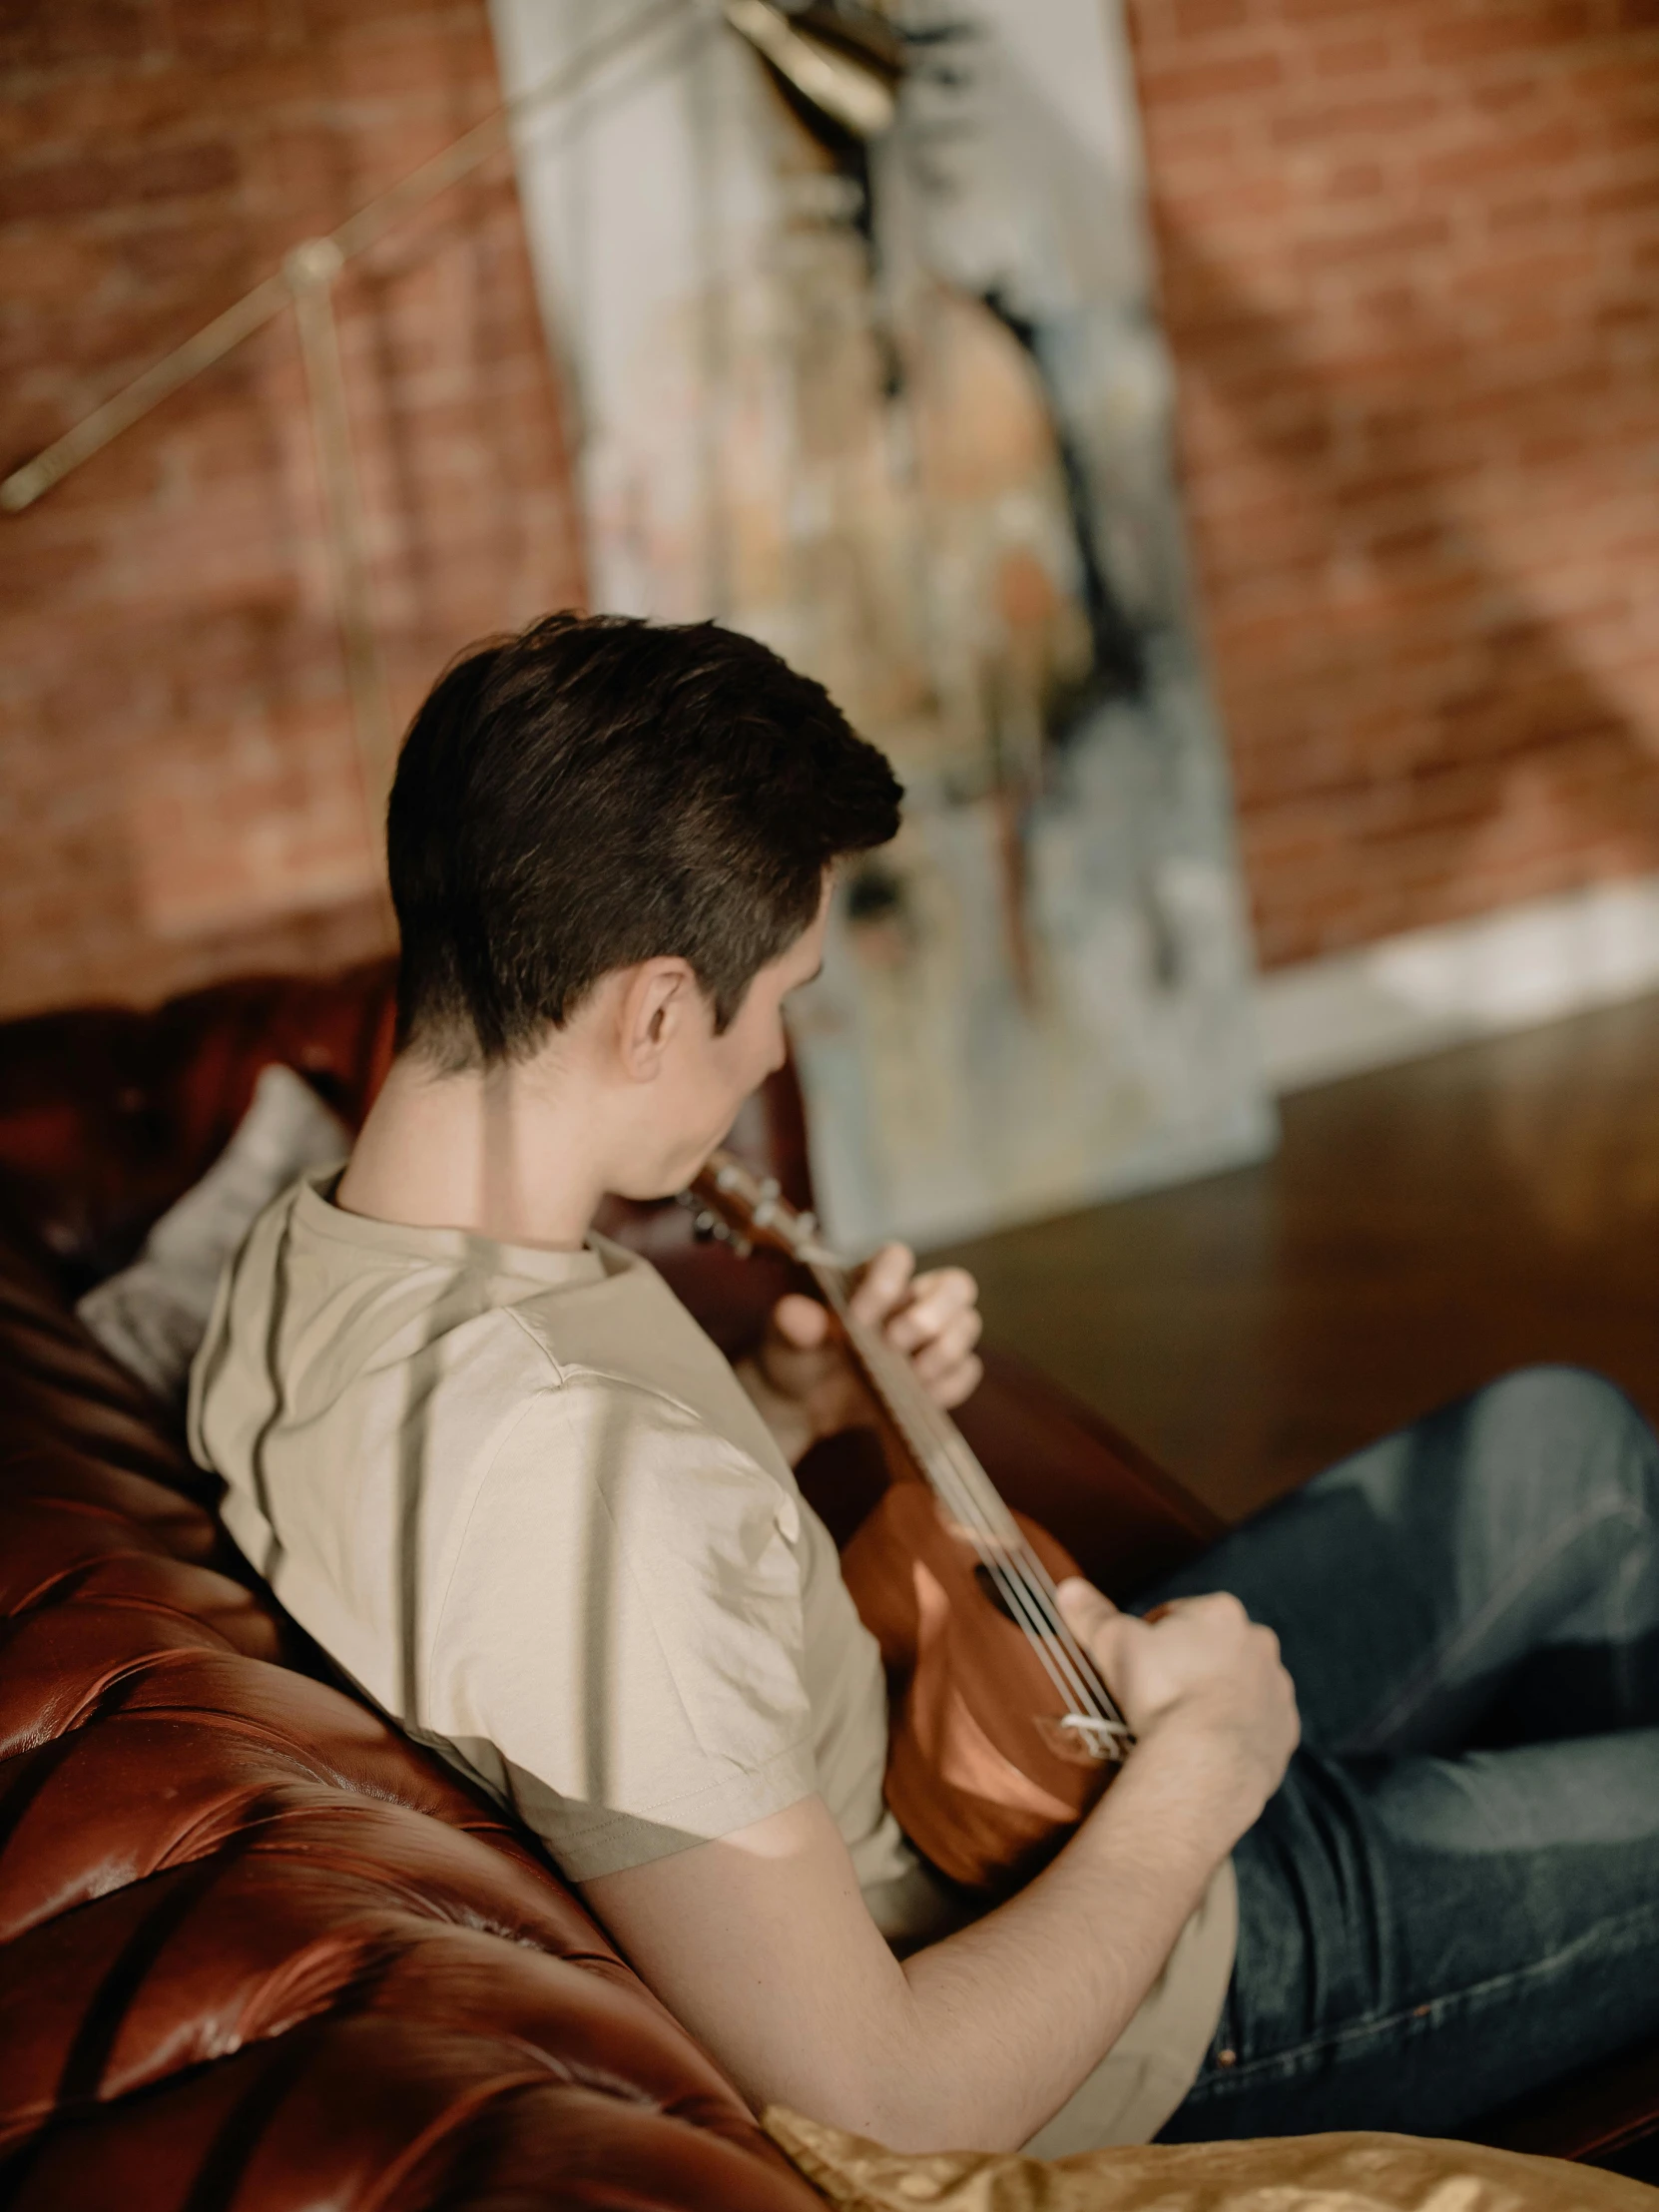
153,1315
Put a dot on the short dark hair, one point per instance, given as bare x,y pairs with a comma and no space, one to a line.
599,790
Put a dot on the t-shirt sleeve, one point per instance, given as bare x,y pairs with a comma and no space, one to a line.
619,1645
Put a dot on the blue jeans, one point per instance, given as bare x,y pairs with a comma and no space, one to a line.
1453,1897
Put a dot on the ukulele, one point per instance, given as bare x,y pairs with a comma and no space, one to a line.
1002,1731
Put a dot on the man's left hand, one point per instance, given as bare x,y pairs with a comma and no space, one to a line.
808,1385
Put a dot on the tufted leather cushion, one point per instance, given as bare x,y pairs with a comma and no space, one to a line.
255,1948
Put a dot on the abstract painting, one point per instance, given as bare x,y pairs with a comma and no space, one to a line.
899,405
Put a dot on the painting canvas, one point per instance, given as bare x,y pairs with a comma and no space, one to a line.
899,405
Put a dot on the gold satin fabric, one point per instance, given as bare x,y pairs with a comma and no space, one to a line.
1295,2174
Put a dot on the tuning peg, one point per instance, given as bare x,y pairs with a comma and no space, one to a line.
705,1226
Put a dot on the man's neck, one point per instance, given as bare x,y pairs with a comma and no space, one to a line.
503,1152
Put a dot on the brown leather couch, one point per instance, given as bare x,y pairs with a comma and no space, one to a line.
255,1950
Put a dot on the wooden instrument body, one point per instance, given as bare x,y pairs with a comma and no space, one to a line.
979,1777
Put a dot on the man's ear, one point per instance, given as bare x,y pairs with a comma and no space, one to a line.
658,997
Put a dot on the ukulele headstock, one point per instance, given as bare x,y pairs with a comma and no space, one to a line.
743,1209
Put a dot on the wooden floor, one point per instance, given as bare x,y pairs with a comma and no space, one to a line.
1419,1230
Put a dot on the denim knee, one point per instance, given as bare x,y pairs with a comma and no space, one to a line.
1576,1395
1551,1405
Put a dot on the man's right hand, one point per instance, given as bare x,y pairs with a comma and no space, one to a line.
1200,1674
762,1943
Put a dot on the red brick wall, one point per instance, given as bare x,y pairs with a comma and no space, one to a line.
1411,257
1410,269
178,793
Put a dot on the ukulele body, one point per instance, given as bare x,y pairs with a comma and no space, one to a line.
989,1768
980,1777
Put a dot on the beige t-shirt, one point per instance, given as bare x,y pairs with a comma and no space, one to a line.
524,1502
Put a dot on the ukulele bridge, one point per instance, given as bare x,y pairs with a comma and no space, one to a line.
1086,1739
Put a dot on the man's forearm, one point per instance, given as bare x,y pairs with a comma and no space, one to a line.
1010,2014
760,1941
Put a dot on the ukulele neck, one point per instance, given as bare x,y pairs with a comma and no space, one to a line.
929,1436
750,1210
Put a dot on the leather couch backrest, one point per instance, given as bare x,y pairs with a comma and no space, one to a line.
256,1949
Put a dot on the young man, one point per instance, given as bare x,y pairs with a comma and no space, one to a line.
489,1461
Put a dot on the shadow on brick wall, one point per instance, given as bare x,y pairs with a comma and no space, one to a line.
1416,731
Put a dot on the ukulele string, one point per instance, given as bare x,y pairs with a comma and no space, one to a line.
1003,1556
1008,1559
1024,1583
975,1501
974,1475
1043,1592
995,1553
948,1440
994,1535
